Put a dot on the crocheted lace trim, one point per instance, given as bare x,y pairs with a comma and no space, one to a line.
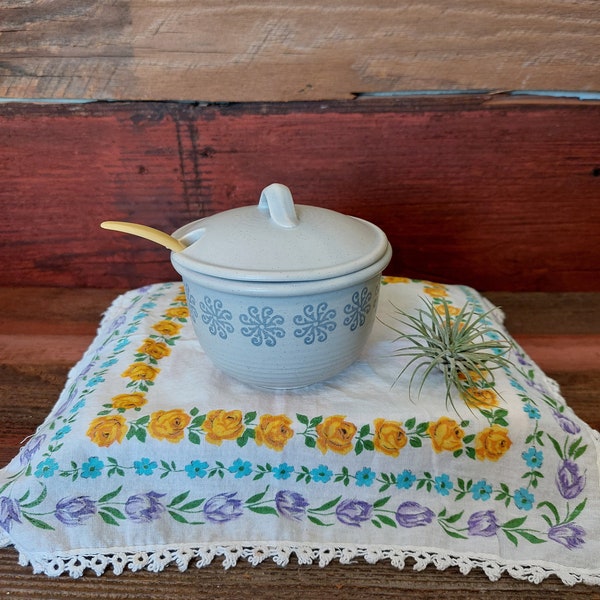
77,563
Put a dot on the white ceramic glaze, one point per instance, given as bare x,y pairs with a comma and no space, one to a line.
282,295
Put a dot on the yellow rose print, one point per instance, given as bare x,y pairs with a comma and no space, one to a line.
141,372
168,425
336,434
222,425
127,401
452,310
492,443
436,292
156,350
478,398
394,279
180,312
103,431
180,298
167,328
389,437
273,431
446,434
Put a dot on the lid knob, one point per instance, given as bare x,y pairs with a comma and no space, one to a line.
277,199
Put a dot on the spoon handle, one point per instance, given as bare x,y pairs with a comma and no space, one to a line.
148,233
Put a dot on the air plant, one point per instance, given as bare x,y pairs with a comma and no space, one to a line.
458,345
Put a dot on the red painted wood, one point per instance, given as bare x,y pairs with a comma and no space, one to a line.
500,197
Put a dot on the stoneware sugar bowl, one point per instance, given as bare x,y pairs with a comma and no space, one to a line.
281,295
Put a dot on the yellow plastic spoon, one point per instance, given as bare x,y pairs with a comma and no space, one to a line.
149,233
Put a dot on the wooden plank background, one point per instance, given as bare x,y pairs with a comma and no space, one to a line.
473,191
278,50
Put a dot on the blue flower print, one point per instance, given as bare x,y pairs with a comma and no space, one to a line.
60,434
443,484
46,468
405,479
523,499
196,468
145,466
532,411
108,363
94,381
283,471
481,490
365,477
77,406
315,323
122,344
241,468
517,385
216,317
533,458
358,309
92,468
321,474
262,326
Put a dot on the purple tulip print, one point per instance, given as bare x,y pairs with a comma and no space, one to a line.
31,448
569,535
566,424
290,504
9,513
569,481
223,507
75,511
143,508
413,514
483,523
353,512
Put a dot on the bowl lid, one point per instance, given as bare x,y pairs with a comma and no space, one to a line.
277,240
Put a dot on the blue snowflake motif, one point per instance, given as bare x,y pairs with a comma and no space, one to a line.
358,309
216,317
262,326
315,323
191,302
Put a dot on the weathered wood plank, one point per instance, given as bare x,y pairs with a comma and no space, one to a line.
281,51
498,197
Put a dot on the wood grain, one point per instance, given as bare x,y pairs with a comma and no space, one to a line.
31,381
278,50
469,191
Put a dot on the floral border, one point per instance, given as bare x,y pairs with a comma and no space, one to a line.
325,433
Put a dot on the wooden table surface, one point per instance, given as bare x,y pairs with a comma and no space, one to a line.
44,331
